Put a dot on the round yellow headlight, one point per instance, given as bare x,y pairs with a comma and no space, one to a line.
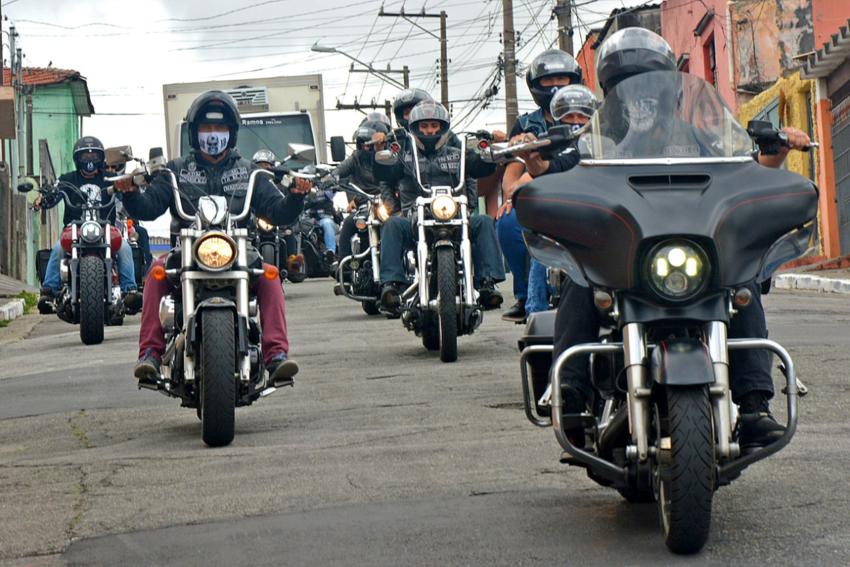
382,213
264,225
215,252
444,207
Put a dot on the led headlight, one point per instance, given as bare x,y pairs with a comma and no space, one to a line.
264,225
91,232
215,251
382,212
677,270
444,207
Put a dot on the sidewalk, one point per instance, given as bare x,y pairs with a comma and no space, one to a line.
824,281
12,307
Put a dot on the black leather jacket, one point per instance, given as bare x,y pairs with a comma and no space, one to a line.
96,185
439,168
197,178
359,168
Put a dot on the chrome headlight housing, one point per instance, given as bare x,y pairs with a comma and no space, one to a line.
91,232
677,270
382,212
444,207
215,251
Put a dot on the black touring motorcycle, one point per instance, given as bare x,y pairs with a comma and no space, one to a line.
670,221
90,295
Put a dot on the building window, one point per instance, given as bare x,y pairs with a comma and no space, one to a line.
709,56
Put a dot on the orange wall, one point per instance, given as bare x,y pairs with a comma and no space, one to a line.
828,16
586,59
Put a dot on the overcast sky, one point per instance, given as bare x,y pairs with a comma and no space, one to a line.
129,49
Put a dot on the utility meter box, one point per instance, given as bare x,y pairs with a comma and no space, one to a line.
7,113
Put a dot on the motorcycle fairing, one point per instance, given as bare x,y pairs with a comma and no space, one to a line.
605,215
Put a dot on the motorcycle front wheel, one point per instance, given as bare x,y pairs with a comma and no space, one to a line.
447,293
684,471
92,303
370,307
218,381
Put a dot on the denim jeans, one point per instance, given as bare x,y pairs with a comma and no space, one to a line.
124,258
538,288
513,247
398,235
329,232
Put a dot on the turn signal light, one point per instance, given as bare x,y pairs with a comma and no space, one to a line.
395,147
270,272
158,273
743,297
603,300
483,145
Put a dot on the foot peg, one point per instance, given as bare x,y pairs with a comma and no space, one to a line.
802,390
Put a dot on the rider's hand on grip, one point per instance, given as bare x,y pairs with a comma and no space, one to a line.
124,185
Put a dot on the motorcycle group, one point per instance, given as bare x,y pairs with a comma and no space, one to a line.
639,258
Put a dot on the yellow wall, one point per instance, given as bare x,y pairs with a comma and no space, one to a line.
795,94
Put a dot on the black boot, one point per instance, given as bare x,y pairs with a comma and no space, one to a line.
515,313
45,301
758,427
488,296
391,299
575,403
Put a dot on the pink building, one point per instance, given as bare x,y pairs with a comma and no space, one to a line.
698,34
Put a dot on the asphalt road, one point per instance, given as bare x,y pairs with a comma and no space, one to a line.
381,455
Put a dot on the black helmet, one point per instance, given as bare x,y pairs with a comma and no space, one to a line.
366,130
629,52
430,110
408,98
573,99
89,144
213,107
550,63
264,156
377,117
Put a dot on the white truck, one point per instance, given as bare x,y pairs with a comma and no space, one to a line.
275,111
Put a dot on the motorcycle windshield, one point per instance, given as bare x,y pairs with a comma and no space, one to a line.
663,115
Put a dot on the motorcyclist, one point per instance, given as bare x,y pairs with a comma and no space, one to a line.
627,53
439,164
573,106
89,178
214,167
359,168
548,72
320,205
264,159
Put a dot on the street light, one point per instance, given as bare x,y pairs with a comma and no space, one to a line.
326,49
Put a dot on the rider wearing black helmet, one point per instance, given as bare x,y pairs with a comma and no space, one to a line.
548,72
359,168
439,164
214,167
404,103
628,53
89,178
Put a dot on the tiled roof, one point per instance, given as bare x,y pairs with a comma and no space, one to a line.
43,75
829,57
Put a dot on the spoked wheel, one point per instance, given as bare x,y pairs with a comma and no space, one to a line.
447,294
218,380
92,302
684,469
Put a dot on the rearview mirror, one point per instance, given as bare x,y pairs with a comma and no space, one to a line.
25,187
337,148
302,151
386,157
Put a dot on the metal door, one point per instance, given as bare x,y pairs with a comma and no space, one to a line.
841,155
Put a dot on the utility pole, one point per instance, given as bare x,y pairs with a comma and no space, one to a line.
509,50
444,48
563,11
405,71
359,106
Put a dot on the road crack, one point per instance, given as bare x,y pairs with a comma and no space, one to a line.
82,489
77,429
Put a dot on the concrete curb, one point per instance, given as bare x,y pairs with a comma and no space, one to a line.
809,282
12,309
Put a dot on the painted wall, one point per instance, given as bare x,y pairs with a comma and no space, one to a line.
827,17
586,58
679,19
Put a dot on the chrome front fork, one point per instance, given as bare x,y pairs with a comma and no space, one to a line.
422,259
466,258
243,297
637,378
188,303
725,412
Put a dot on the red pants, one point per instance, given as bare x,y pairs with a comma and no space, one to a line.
272,316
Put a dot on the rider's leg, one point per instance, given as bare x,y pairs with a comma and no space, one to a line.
346,232
576,322
329,233
538,289
52,281
486,258
513,247
126,269
151,338
396,238
273,318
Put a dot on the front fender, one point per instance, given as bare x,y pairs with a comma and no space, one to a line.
193,327
681,362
